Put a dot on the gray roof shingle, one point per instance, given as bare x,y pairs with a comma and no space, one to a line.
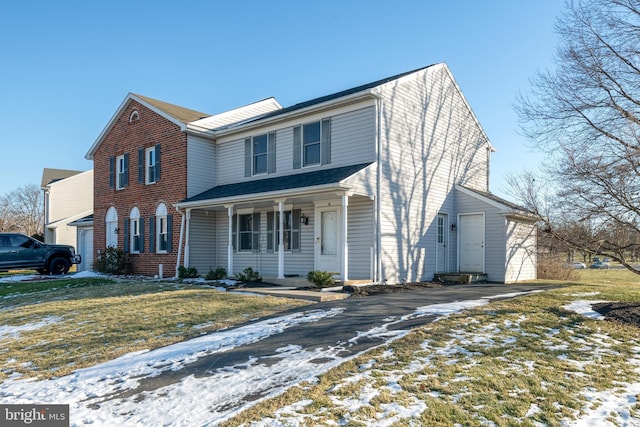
280,183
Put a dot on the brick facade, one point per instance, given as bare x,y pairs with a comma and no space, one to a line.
125,136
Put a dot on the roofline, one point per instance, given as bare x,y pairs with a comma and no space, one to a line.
504,209
268,119
252,197
130,97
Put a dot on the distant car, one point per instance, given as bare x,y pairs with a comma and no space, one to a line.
600,265
579,265
20,251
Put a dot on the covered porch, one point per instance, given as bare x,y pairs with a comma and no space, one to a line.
283,227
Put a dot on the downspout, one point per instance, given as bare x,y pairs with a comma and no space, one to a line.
182,222
377,215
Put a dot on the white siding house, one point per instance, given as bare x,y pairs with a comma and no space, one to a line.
68,198
385,182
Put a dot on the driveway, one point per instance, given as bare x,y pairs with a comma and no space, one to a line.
267,366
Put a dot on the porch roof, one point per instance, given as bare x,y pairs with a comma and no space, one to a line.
316,178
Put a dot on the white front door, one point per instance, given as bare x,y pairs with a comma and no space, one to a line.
471,229
442,240
85,249
327,230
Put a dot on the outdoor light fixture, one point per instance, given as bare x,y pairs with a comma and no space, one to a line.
115,230
304,219
453,227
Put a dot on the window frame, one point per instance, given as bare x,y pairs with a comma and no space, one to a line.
255,156
312,144
121,171
294,232
149,168
135,236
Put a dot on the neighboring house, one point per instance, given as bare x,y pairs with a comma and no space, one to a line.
68,196
385,182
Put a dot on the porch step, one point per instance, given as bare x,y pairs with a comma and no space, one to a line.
460,278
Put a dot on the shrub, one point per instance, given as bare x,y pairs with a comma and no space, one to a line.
249,276
555,269
217,274
187,272
111,261
321,279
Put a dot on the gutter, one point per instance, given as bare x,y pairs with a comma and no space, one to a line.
253,197
276,118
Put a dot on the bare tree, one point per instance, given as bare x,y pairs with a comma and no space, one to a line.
585,114
21,210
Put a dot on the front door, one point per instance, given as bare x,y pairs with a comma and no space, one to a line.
327,230
442,239
471,243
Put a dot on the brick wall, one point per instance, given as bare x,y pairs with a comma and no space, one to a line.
128,137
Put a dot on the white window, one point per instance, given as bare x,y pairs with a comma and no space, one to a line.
290,230
246,231
122,172
260,154
311,144
162,229
150,165
134,224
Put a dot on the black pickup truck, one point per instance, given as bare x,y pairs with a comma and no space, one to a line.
19,251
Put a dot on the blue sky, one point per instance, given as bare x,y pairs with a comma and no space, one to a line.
68,65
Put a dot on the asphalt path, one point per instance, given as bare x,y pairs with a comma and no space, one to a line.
390,312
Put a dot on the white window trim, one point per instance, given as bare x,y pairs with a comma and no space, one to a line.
161,218
119,171
134,225
265,154
302,145
147,165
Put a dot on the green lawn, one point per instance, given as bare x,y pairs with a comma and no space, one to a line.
51,328
523,361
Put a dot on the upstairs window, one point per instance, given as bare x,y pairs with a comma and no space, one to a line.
260,154
312,144
149,165
119,171
134,116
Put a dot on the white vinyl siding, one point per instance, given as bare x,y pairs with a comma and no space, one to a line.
202,237
429,142
264,261
360,236
201,161
352,142
70,196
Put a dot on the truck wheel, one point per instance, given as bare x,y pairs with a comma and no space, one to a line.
59,265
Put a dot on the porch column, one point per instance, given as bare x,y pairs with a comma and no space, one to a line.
345,246
186,243
281,239
230,241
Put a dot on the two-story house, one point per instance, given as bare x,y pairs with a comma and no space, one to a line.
68,197
386,182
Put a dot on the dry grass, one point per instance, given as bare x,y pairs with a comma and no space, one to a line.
522,361
52,328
